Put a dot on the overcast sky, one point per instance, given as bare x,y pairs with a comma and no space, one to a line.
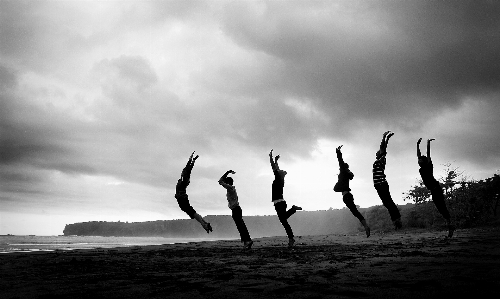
102,102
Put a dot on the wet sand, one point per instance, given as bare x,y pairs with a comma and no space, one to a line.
416,264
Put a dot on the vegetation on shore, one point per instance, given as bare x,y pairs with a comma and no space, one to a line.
471,203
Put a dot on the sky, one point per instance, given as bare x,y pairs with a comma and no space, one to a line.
102,102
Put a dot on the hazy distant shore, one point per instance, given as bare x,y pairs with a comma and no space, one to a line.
28,244
412,264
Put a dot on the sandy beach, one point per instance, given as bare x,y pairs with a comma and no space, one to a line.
416,264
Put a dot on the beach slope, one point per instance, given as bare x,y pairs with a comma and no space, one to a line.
416,264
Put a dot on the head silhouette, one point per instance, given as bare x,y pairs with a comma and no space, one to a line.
282,173
228,180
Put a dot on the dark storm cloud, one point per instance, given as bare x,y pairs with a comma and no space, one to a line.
46,137
385,61
36,137
19,139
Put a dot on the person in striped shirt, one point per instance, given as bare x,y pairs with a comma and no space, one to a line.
342,185
380,182
278,201
427,173
234,205
182,197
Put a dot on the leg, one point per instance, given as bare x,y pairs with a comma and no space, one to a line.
185,206
282,216
349,202
385,196
203,223
290,212
438,199
237,215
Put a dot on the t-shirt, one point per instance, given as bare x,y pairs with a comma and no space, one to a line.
232,197
344,177
427,175
180,188
379,170
277,187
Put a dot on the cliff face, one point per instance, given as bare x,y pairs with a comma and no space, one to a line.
302,223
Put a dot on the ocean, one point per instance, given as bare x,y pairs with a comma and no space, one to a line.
12,243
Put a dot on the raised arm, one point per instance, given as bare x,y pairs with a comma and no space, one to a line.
223,178
419,154
274,162
429,148
186,172
339,156
385,142
387,139
383,146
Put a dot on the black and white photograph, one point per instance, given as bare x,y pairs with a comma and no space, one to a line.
249,149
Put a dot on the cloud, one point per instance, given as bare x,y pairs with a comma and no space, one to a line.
95,93
386,62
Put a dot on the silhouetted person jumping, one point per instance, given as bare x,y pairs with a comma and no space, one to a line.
342,185
427,173
380,182
236,212
182,197
278,201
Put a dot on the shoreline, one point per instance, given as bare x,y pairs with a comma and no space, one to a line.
105,246
315,240
28,244
391,265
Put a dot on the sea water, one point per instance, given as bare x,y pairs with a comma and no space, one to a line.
13,243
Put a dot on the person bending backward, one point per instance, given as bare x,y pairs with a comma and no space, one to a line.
182,197
342,185
236,212
380,182
427,173
278,201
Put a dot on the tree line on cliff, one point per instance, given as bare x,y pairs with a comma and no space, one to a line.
303,223
332,221
470,203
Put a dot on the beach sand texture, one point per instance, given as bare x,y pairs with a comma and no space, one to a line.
416,264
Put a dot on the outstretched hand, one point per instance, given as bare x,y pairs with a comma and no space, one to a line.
419,140
271,153
276,158
429,140
338,148
231,172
